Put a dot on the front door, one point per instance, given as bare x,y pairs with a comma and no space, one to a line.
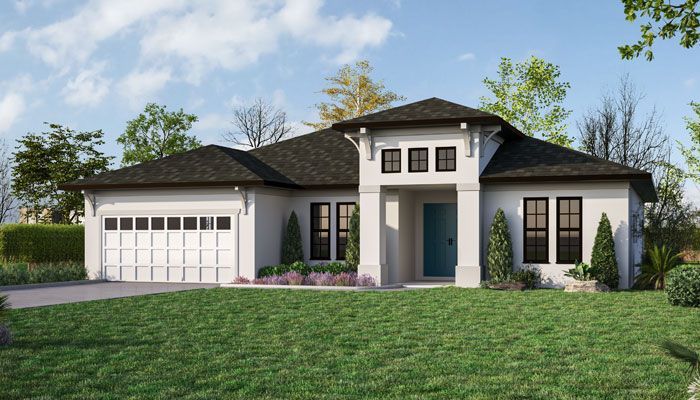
439,239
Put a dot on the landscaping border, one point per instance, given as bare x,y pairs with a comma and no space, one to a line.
310,287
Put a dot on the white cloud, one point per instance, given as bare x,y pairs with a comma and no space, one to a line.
141,85
690,82
6,40
21,6
466,57
88,87
11,107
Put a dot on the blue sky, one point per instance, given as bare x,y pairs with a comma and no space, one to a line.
94,65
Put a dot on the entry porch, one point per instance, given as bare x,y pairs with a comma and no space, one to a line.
421,233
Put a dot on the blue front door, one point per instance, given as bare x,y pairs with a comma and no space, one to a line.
439,239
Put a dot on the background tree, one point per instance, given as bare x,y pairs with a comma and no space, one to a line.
353,93
671,221
499,254
529,95
157,133
603,261
352,248
292,249
7,199
614,130
45,161
258,124
670,18
692,152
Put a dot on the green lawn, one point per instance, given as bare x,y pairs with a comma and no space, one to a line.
437,343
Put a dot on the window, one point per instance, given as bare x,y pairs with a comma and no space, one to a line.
569,230
157,223
110,224
445,158
320,231
418,160
391,161
536,246
189,223
343,214
126,224
223,223
141,223
206,223
173,223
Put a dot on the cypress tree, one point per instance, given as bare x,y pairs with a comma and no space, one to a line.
499,255
603,261
292,248
352,248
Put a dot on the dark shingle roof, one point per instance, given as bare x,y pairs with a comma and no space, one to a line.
532,160
432,111
323,158
206,166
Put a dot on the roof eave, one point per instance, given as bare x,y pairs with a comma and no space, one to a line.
495,120
165,185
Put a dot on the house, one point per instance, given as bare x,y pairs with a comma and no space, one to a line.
428,176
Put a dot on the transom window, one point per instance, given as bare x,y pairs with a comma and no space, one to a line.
536,247
445,158
418,160
391,161
569,230
320,231
343,214
161,223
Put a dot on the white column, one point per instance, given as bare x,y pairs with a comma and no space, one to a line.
468,270
373,233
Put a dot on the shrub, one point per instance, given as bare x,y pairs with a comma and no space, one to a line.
292,248
241,280
603,261
366,280
22,274
4,308
320,279
528,275
281,269
499,255
581,272
334,268
274,280
293,278
42,243
345,279
683,286
352,248
660,262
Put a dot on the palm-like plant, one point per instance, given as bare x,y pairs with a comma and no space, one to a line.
5,334
581,272
683,353
661,261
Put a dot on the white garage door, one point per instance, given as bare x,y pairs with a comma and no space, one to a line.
188,248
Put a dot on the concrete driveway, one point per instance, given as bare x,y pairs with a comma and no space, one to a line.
45,296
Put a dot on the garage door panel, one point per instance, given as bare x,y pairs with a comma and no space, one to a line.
127,239
143,240
168,248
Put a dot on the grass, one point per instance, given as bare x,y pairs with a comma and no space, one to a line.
423,344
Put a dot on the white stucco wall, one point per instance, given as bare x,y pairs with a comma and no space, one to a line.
612,198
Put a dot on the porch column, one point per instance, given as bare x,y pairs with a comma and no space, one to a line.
373,233
468,270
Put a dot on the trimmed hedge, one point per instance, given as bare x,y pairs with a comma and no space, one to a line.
683,286
335,268
42,243
22,274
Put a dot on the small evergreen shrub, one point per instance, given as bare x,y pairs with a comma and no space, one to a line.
334,267
683,286
292,248
528,275
22,274
352,248
603,261
499,255
282,269
42,243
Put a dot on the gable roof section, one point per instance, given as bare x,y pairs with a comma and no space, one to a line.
320,159
206,166
532,160
432,111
